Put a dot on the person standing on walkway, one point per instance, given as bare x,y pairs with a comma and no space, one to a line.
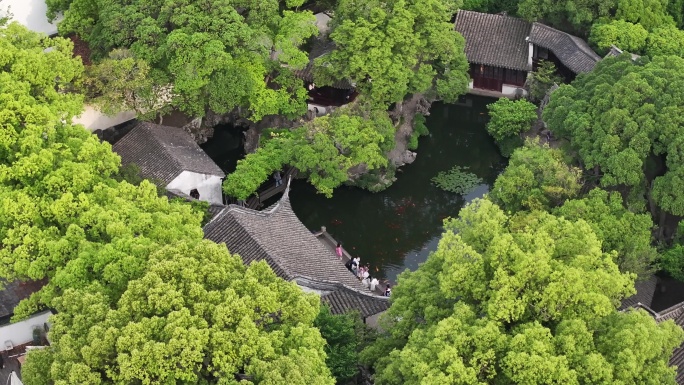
338,251
374,283
355,265
365,274
388,291
278,178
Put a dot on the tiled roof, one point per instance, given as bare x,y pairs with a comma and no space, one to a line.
164,152
277,236
615,51
321,47
645,289
344,300
494,40
14,292
572,51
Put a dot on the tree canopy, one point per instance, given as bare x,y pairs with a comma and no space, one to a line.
625,35
390,49
215,54
529,298
509,118
536,178
627,233
197,315
326,149
620,116
140,296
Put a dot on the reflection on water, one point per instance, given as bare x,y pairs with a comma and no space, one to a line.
397,228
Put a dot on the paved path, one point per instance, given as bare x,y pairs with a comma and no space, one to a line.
330,243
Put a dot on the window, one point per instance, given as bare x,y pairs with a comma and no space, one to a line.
515,77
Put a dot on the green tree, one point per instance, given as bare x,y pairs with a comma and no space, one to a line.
326,149
667,40
390,49
579,14
536,178
542,79
621,115
62,215
508,118
217,54
342,336
650,14
676,9
123,83
624,35
627,233
197,315
526,299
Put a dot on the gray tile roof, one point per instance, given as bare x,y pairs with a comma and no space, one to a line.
501,41
344,300
615,51
164,152
677,358
14,292
278,237
645,289
572,51
494,40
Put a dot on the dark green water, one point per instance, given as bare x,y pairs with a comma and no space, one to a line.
397,228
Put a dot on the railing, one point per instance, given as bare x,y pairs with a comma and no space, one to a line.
258,199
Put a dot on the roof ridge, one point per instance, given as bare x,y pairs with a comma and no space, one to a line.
276,259
593,55
333,285
147,126
670,310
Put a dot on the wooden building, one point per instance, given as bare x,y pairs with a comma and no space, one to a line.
502,50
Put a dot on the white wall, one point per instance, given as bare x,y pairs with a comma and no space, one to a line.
530,54
208,186
510,90
93,119
31,14
22,332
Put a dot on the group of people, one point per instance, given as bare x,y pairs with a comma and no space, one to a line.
362,272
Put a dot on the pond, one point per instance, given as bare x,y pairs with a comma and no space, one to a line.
397,228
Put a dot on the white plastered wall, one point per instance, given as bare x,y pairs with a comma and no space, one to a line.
511,90
208,186
22,332
92,119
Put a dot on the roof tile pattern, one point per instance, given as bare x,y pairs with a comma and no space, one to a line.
16,291
645,289
494,40
344,300
164,152
677,358
572,51
277,236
